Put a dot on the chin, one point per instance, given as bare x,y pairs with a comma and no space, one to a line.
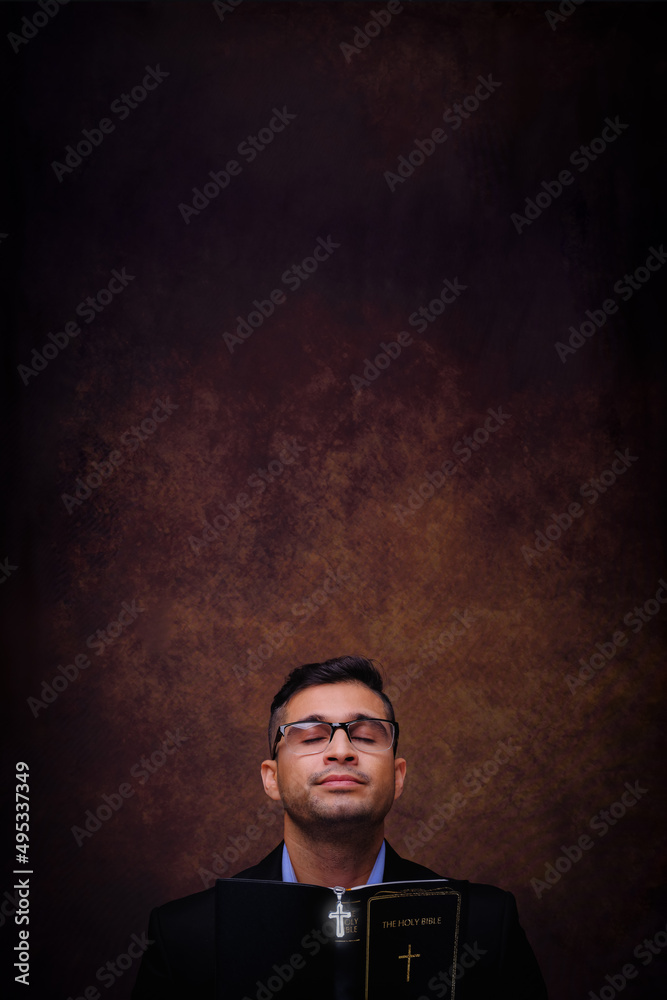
347,812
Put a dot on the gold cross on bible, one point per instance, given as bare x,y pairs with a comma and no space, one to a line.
409,957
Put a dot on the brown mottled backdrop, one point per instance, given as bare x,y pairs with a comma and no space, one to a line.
361,538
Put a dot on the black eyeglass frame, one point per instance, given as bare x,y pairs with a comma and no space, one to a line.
334,726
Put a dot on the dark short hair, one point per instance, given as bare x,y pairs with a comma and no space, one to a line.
334,671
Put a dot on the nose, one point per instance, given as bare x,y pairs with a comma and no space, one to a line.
340,747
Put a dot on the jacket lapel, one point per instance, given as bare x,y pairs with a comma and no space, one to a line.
269,868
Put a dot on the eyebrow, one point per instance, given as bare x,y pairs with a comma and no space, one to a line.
320,718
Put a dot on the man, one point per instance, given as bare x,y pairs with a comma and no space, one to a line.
333,766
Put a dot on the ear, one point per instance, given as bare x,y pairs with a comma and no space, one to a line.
270,779
400,765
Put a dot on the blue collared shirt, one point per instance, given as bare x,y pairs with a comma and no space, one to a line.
375,876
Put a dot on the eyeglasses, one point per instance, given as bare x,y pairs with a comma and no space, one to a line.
369,735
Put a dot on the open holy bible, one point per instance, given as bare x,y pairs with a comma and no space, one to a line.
374,942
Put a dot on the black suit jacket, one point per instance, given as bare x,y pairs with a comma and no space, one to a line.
497,961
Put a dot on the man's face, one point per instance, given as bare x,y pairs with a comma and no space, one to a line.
339,784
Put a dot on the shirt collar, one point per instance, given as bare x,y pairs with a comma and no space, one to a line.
376,875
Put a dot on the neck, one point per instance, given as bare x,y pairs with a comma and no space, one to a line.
347,860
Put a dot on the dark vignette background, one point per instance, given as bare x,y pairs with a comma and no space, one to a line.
211,644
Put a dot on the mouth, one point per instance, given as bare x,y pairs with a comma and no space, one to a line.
340,781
